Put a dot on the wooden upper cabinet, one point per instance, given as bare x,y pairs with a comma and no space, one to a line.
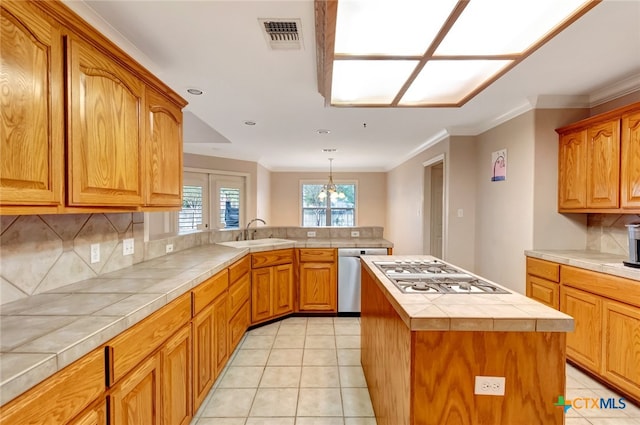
105,130
163,152
572,165
630,164
603,165
31,94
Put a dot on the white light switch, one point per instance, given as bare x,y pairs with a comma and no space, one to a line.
460,213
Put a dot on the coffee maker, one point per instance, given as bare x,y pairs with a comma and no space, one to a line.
634,246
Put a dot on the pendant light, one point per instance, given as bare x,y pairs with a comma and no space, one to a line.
330,188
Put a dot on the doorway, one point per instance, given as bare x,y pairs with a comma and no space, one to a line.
434,208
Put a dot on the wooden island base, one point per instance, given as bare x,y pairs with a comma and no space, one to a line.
427,377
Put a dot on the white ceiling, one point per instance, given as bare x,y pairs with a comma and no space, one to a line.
218,47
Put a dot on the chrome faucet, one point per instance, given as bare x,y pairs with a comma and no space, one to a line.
246,230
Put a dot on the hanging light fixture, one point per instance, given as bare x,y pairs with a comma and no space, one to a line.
330,188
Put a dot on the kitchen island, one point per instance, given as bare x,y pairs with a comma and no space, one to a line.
422,352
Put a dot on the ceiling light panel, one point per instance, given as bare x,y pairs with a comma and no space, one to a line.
379,27
369,82
496,27
444,82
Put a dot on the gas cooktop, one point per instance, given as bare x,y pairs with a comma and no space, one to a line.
434,277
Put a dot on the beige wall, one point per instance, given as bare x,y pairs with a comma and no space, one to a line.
263,194
285,196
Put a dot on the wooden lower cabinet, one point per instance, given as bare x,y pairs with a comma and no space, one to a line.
584,344
271,292
136,398
318,287
238,325
176,379
621,354
95,415
209,347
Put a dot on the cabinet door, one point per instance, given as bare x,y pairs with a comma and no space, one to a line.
261,287
164,152
136,399
176,379
203,355
106,140
31,94
584,344
95,415
318,287
282,289
221,338
603,165
543,291
238,325
572,171
630,166
621,362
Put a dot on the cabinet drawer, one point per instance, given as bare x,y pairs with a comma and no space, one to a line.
544,291
132,346
239,293
544,269
62,396
239,268
271,258
618,288
317,255
209,290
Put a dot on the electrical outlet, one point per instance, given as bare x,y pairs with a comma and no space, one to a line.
355,233
311,234
95,253
168,248
127,247
489,385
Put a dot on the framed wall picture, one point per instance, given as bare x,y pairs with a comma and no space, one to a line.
499,165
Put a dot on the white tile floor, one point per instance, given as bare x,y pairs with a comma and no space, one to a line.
306,371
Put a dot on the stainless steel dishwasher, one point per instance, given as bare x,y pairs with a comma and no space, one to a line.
349,278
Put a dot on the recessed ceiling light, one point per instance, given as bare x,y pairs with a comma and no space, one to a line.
324,131
195,92
249,123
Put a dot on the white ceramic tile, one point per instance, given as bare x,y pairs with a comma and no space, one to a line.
241,377
320,329
271,421
356,402
289,341
258,342
219,421
360,421
270,329
230,402
352,376
319,357
285,357
319,402
349,357
251,358
347,329
18,330
320,377
271,402
319,421
294,329
320,341
21,371
281,377
348,341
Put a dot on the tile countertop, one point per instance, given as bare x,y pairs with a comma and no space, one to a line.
590,260
468,312
43,333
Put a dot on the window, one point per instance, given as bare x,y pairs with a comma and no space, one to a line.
328,211
190,216
229,207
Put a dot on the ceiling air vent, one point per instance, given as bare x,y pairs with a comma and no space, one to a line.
282,34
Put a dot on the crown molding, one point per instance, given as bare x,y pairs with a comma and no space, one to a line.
613,91
432,141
